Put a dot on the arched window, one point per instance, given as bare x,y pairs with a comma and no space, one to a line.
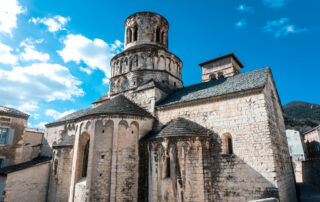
166,166
212,77
158,35
220,75
85,160
129,35
162,38
135,34
227,145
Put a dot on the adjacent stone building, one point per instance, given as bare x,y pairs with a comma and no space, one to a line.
312,142
152,139
23,173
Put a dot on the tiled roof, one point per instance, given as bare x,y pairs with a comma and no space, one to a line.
68,141
13,112
117,105
241,82
182,127
6,170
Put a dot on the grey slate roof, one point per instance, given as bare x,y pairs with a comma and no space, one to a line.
10,169
181,127
13,112
241,82
117,105
68,141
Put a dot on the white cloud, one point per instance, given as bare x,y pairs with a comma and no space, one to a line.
86,70
282,27
6,56
56,115
40,125
96,53
244,8
274,3
28,107
25,87
30,52
240,23
54,24
9,9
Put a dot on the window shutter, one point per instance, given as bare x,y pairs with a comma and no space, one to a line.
10,136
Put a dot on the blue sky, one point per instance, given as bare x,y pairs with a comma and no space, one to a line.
54,55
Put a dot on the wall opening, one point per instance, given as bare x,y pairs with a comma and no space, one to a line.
227,145
135,34
162,38
158,35
85,160
220,75
129,35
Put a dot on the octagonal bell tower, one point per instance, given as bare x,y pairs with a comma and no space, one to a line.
146,28
145,57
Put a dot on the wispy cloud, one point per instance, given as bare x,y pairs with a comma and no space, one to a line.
30,52
96,54
6,55
244,8
26,86
56,115
240,23
281,27
54,24
274,3
8,15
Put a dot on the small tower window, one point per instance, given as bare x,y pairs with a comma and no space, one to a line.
212,77
162,38
135,34
158,35
220,75
129,35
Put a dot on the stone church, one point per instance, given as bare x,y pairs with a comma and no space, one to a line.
152,139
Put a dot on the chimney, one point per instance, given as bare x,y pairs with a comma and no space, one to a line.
222,67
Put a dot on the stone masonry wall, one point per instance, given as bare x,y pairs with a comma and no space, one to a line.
245,118
28,184
283,169
61,168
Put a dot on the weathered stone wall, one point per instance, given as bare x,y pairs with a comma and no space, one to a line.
279,145
297,167
311,172
245,117
189,175
9,151
61,169
29,184
30,146
52,135
112,161
102,159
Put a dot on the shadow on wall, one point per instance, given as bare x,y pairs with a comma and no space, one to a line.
232,179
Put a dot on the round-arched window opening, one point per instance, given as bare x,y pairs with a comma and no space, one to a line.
124,85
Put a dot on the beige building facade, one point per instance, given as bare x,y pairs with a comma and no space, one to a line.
152,139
